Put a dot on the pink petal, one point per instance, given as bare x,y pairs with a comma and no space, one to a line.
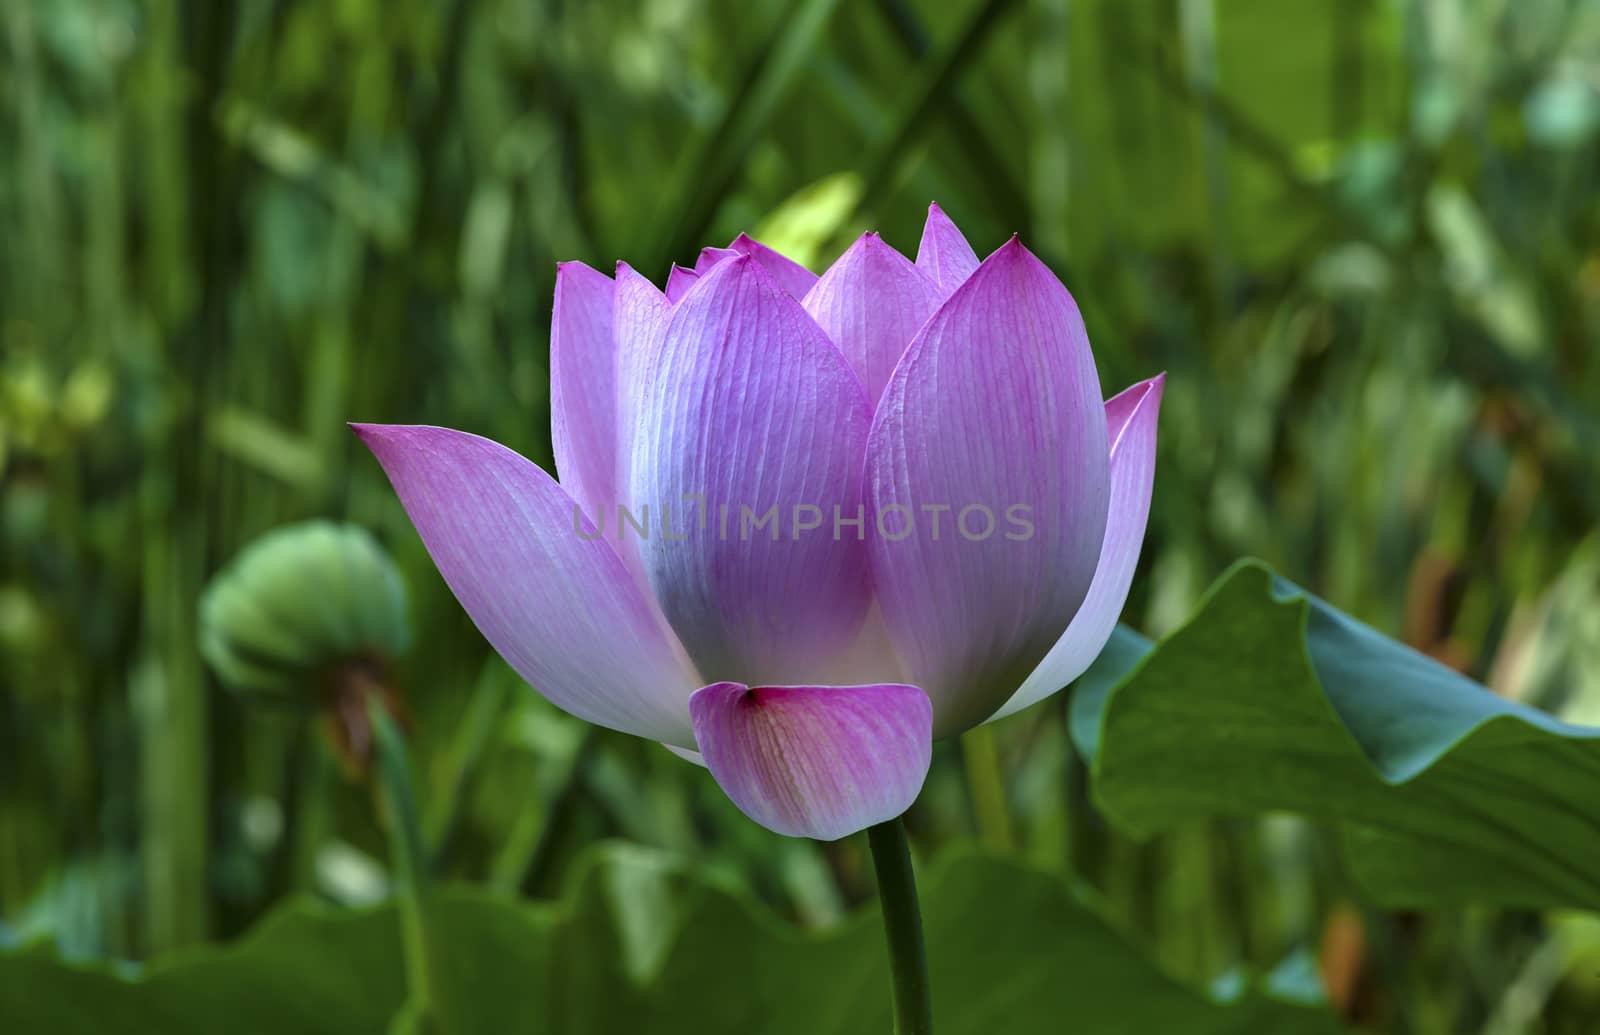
872,301
790,275
1131,421
749,407
639,319
583,386
679,281
709,257
816,761
993,413
944,254
559,607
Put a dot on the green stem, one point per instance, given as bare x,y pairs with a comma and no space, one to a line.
304,777
1080,841
524,863
902,924
988,789
468,750
408,860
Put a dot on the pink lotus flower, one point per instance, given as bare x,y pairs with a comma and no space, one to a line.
857,512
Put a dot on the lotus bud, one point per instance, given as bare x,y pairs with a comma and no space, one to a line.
311,614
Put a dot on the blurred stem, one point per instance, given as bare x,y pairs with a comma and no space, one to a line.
465,758
1191,897
902,923
1050,157
985,155
1078,826
305,811
525,860
710,169
1198,27
408,861
988,789
1240,132
174,717
1523,1001
927,92
312,815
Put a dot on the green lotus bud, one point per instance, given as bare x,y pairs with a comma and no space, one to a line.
298,603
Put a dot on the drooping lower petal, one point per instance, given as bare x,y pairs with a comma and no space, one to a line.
816,761
1131,422
872,301
550,596
790,275
749,437
987,470
944,254
583,385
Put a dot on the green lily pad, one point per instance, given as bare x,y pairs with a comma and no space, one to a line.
1270,699
642,943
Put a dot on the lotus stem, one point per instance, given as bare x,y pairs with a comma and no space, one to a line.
902,924
987,785
407,860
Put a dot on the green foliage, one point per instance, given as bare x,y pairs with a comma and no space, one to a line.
641,943
1269,699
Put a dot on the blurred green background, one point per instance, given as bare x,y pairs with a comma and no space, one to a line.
1363,236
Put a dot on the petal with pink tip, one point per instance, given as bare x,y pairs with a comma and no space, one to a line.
944,254
709,257
748,412
790,275
1131,422
639,318
816,761
559,606
679,281
583,386
994,415
872,301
